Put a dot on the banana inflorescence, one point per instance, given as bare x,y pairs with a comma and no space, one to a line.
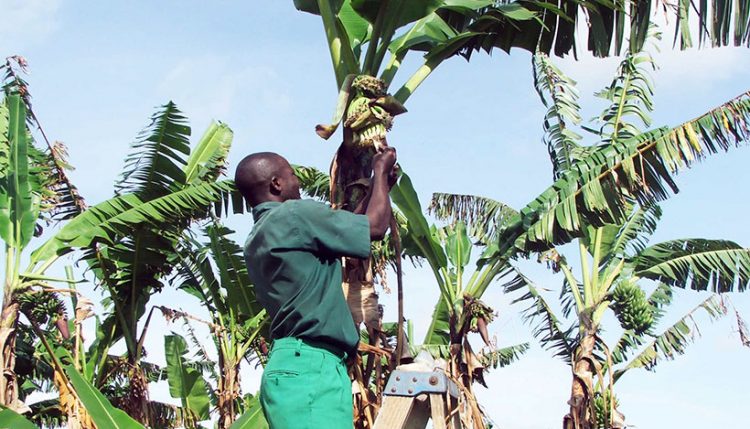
632,308
366,109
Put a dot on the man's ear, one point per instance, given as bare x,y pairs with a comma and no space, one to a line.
275,185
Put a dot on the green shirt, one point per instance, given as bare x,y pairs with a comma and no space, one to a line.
293,256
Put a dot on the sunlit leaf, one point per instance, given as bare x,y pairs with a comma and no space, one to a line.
98,407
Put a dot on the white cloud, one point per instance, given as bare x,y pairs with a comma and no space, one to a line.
27,22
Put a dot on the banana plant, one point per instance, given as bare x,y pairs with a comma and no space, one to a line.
369,40
372,38
597,190
215,273
616,269
459,309
40,353
19,209
127,240
34,192
45,355
362,34
611,212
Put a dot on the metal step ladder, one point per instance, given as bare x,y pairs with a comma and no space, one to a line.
412,398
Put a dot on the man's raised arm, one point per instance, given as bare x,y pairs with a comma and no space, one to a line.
379,205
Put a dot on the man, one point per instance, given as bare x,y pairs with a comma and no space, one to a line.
293,255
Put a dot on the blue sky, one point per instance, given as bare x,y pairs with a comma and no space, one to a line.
99,69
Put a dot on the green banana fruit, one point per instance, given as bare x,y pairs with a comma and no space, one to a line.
632,308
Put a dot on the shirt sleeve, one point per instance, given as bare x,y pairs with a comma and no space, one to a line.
333,232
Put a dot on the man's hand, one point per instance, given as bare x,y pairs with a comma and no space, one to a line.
383,161
393,176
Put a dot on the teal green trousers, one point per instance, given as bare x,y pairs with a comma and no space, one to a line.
306,386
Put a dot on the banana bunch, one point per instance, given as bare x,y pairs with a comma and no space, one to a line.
480,315
632,308
602,406
366,109
479,310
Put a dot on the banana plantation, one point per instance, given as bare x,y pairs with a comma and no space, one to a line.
132,307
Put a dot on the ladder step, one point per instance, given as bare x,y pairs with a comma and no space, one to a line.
402,412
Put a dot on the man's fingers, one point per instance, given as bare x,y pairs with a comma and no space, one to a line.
386,149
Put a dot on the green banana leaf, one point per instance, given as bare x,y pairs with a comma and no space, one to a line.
458,246
252,418
185,383
9,419
311,6
644,166
439,330
18,213
155,165
209,156
398,13
699,264
410,11
424,35
357,28
240,292
6,231
102,412
405,198
119,214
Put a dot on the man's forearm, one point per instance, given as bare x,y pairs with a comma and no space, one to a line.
379,207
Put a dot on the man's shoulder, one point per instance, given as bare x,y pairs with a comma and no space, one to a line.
289,213
303,206
306,202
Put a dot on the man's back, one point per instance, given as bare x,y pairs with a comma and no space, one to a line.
293,256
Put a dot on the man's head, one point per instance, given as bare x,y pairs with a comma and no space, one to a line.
266,176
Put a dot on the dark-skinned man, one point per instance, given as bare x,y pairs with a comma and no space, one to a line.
293,256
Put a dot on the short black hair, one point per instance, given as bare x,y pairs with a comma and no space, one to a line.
254,173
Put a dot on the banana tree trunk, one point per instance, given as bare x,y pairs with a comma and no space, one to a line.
461,368
8,324
76,414
584,368
228,391
350,184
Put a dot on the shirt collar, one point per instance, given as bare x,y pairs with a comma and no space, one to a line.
263,208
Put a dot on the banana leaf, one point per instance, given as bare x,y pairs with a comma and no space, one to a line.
185,382
208,158
102,412
252,418
9,419
18,213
